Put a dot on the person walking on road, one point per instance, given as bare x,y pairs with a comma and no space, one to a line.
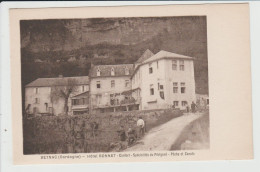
141,127
193,106
188,108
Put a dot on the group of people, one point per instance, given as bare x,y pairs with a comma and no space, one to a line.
131,135
193,107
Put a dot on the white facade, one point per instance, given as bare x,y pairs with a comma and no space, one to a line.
38,99
165,82
105,91
158,81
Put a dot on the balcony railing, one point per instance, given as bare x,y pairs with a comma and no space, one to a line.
115,103
80,106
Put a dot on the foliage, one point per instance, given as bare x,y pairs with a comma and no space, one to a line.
74,134
63,91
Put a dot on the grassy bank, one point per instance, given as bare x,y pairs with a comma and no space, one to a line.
195,135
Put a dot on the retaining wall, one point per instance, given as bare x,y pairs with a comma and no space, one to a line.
75,134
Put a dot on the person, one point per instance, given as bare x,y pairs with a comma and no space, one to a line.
193,106
122,134
140,125
122,144
131,136
94,127
188,108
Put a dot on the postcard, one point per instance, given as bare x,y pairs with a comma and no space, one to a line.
131,84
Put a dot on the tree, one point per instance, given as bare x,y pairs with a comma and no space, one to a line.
62,90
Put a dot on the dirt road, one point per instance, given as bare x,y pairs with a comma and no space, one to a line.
162,137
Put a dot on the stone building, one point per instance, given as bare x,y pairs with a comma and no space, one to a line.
163,80
44,95
108,85
155,81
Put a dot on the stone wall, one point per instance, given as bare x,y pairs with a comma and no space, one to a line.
75,134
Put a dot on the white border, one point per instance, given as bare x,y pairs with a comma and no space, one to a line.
207,166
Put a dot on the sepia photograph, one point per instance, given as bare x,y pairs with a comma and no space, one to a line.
130,84
121,84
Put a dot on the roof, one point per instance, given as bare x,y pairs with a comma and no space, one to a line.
81,95
60,81
105,70
165,54
146,55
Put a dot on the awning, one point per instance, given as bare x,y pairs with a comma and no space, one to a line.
81,95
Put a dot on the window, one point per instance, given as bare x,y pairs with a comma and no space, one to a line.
98,72
126,71
184,103
112,99
85,101
182,87
112,72
161,87
98,84
81,101
98,98
174,64
151,90
37,100
28,108
162,94
175,103
83,88
113,84
150,68
74,102
36,90
182,65
127,83
175,87
46,106
157,64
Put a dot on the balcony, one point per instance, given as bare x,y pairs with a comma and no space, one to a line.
118,103
131,101
78,107
80,102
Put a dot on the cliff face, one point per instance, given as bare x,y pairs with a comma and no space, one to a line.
109,41
55,35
